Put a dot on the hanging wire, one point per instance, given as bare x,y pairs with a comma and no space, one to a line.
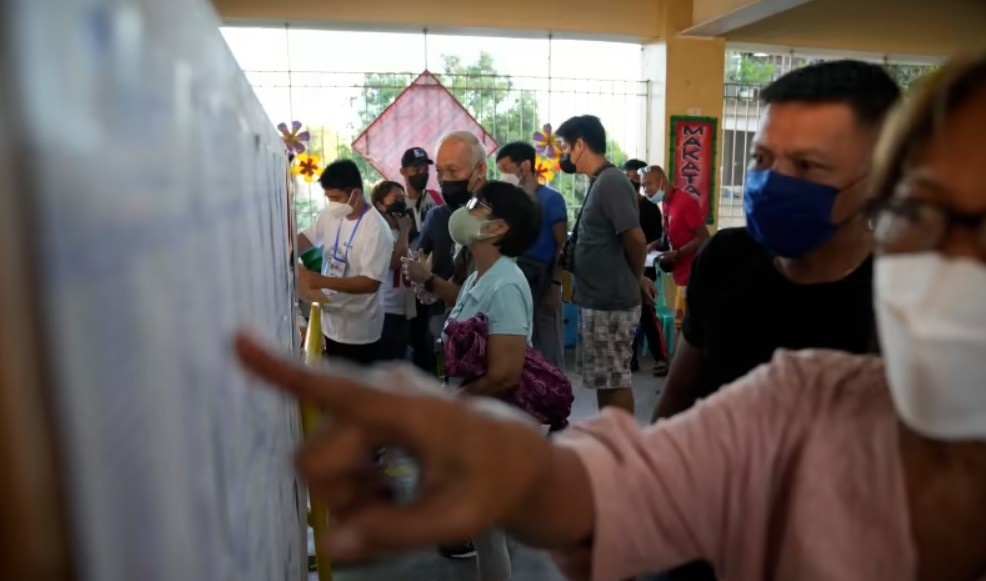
424,31
550,43
287,52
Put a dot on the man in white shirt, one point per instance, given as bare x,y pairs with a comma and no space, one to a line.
356,248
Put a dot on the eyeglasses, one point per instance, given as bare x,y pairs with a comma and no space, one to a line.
908,225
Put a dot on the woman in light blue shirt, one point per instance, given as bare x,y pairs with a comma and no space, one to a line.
498,224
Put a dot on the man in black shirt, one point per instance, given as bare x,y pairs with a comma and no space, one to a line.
651,220
799,276
652,223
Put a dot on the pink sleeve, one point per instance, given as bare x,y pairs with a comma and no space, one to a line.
693,487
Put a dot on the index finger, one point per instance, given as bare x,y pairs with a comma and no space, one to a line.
342,396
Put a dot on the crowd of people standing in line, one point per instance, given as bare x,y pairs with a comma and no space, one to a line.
840,333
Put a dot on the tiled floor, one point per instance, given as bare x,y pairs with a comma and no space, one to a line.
528,564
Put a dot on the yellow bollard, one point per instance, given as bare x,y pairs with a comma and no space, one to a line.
311,417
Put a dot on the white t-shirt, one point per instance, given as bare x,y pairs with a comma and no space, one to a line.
364,247
398,296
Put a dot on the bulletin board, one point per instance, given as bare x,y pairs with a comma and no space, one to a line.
157,220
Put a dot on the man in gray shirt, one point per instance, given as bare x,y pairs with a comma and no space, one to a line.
609,255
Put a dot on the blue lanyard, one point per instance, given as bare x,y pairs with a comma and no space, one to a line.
349,243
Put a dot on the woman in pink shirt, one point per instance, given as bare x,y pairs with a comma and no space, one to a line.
819,466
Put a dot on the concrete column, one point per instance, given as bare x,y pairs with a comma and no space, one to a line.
686,78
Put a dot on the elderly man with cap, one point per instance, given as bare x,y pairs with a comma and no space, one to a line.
414,168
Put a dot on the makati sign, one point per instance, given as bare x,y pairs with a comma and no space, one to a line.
693,159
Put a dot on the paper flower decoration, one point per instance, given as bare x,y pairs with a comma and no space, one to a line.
546,144
545,168
294,139
307,165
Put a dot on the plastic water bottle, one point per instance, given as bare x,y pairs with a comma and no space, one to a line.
423,295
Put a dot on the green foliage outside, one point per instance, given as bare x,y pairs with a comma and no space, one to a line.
748,69
756,69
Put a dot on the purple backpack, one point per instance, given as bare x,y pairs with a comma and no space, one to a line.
544,391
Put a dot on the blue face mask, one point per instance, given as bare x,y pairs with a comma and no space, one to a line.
658,197
788,216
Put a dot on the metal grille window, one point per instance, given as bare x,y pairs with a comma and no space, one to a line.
337,105
746,73
511,108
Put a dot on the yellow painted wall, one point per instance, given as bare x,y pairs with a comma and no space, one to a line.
704,10
694,87
686,78
896,27
695,76
632,19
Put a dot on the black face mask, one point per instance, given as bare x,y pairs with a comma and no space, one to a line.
398,208
456,193
566,164
636,186
419,182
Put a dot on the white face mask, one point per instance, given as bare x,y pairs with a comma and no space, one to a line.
658,197
339,209
509,178
931,314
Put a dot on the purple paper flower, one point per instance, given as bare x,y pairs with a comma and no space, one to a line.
295,138
546,144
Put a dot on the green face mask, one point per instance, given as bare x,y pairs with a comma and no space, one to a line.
465,228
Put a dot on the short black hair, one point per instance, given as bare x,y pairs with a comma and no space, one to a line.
588,128
515,207
342,175
865,87
633,165
518,152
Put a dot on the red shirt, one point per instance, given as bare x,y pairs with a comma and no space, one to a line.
682,217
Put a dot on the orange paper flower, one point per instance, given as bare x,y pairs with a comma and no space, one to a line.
307,165
545,168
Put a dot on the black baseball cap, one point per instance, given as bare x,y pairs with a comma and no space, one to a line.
415,156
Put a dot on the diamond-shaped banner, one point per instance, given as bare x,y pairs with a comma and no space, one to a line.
421,115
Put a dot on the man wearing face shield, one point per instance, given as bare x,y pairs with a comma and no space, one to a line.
799,275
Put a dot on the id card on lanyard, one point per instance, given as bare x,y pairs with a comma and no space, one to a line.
339,258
